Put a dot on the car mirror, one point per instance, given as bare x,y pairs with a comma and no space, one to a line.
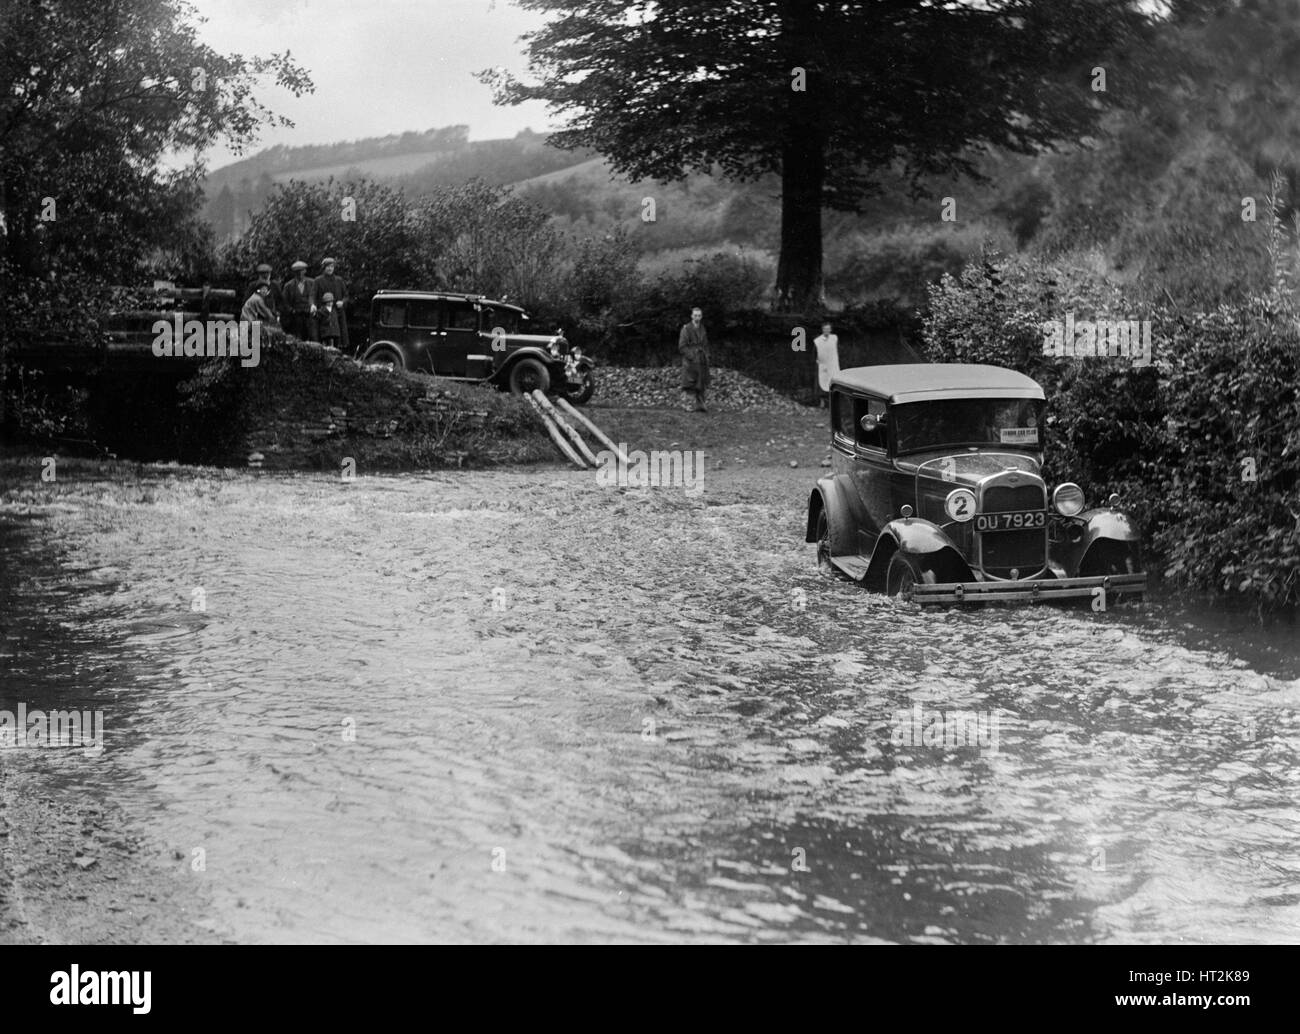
871,422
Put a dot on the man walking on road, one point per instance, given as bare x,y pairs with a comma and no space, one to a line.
693,343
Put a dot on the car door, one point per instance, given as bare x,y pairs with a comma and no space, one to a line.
872,471
457,339
422,315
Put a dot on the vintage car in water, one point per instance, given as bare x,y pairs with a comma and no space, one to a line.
472,338
936,492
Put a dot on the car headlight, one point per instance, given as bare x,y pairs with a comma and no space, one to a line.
1067,499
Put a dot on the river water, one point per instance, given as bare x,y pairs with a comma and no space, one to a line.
516,706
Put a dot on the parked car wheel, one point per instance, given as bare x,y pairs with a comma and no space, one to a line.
903,574
580,393
385,358
528,375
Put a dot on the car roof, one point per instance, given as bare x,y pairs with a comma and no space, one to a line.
918,382
456,296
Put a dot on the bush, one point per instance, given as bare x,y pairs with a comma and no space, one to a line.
1171,438
900,264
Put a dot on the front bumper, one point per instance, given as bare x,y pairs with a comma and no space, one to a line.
1029,591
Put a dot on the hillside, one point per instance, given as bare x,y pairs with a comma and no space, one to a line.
417,162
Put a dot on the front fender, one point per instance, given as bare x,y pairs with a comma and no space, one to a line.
830,497
1097,525
916,535
532,352
1108,524
920,538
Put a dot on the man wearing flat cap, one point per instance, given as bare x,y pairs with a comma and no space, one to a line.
328,281
299,293
272,297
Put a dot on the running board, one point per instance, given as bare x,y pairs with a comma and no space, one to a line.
853,566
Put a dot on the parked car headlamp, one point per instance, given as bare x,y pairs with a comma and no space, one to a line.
1067,499
960,504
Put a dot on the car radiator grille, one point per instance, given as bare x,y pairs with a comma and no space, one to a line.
1022,550
1001,498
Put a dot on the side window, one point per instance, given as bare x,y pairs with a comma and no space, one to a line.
842,415
392,314
875,439
424,314
461,317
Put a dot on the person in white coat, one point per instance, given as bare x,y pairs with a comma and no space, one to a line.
828,362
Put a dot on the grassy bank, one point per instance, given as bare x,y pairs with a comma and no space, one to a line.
302,407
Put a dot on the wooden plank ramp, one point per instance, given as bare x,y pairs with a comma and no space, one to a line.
600,435
555,434
575,439
565,436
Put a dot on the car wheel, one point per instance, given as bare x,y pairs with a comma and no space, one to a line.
580,394
386,359
904,574
529,375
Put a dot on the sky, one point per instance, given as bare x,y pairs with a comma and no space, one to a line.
380,66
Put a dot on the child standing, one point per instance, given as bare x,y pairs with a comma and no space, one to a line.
327,321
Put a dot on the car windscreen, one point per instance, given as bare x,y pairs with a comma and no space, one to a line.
918,426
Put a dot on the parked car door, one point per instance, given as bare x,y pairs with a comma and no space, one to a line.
422,315
458,338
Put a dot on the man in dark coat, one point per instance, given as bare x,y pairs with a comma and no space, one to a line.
328,282
693,343
299,293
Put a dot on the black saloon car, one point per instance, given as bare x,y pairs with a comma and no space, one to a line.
936,493
472,338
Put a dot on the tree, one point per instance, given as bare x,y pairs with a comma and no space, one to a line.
93,94
364,225
828,94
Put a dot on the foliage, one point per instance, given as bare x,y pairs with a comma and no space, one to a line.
901,263
377,247
799,90
93,94
1172,438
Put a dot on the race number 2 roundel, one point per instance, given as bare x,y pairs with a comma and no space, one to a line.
960,504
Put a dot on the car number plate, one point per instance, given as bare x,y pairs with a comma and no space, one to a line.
1012,520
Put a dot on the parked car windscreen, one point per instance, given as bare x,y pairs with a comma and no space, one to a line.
919,426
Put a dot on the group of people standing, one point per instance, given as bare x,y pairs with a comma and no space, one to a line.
310,308
693,344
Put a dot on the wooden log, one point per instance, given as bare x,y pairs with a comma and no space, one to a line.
554,432
601,437
564,426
